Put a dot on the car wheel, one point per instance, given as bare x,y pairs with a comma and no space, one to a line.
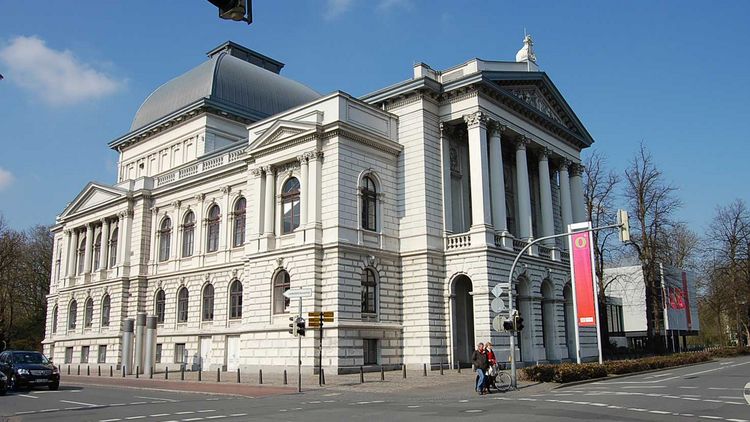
54,386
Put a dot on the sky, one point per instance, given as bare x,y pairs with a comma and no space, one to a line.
670,74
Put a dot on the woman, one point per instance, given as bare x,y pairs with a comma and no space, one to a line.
492,364
479,359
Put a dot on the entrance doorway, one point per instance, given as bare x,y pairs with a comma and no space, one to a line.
205,353
233,353
463,320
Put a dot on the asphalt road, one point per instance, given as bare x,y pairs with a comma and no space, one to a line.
712,391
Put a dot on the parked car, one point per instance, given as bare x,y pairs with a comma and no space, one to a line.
26,369
3,384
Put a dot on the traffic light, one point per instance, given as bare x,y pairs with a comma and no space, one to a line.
300,326
517,322
508,324
622,220
234,9
293,327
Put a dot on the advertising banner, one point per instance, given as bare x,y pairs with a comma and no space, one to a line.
582,275
679,303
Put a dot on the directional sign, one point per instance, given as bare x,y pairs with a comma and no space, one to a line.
497,323
497,304
498,290
298,293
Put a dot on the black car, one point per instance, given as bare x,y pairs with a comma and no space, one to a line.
3,384
26,369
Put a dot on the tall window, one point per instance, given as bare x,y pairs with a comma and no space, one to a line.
160,306
97,250
165,238
239,222
182,305
281,283
369,204
81,254
290,205
54,319
208,303
235,300
188,234
113,247
106,306
214,220
369,286
88,314
72,315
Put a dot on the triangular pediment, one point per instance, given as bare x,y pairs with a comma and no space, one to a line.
281,130
534,97
92,196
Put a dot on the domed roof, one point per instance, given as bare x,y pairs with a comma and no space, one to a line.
227,77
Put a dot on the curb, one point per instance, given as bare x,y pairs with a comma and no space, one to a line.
612,377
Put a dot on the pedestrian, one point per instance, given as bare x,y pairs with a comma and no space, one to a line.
492,363
479,359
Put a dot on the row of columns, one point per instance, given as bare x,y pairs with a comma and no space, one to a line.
488,184
73,240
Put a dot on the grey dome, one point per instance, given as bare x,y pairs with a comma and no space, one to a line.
226,79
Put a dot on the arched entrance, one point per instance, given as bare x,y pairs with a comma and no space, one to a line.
548,320
569,321
463,320
523,304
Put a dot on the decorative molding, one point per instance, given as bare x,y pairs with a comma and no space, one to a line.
475,119
522,142
577,169
207,277
496,129
544,154
225,189
257,171
176,204
199,197
280,262
564,164
533,97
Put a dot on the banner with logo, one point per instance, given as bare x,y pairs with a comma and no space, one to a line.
583,283
678,293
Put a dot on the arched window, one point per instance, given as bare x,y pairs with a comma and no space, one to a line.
113,247
54,319
369,204
106,306
160,306
235,300
239,222
281,283
212,233
72,315
97,250
208,303
182,305
81,254
165,238
369,292
290,205
188,234
88,314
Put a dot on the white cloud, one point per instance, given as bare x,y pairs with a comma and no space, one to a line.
6,178
57,77
335,8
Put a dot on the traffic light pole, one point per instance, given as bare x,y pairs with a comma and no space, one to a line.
513,378
299,353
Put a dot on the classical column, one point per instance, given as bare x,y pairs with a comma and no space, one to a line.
104,248
199,219
525,231
226,209
576,194
545,192
89,247
566,211
155,236
269,203
445,151
303,190
497,179
74,253
174,250
69,260
258,188
313,193
476,124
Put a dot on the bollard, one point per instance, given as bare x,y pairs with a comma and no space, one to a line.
111,371
151,373
99,370
182,373
285,377
166,373
361,374
137,370
260,376
382,373
424,369
218,374
238,376
441,368
123,371
459,368
79,370
68,369
403,366
322,376
200,374
88,371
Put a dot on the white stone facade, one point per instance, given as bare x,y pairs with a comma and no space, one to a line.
467,164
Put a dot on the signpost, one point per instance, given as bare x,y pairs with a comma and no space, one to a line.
298,294
316,320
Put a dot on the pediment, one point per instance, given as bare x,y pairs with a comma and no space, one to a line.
534,97
281,130
92,196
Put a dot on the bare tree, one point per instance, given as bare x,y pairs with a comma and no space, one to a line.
652,203
680,246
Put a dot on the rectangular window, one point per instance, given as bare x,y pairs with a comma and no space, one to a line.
179,353
102,356
158,353
370,351
68,355
84,354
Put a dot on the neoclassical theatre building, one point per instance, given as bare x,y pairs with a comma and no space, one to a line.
400,210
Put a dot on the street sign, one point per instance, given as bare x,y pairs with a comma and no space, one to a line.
327,316
497,304
497,323
298,293
498,290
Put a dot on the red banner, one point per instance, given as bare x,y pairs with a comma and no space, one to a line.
583,279
687,300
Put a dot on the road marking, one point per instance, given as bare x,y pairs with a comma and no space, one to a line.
28,396
184,412
474,411
235,415
156,398
216,417
116,404
689,387
158,415
78,402
730,397
206,411
110,420
137,402
134,417
413,406
463,401
192,419
660,412
710,417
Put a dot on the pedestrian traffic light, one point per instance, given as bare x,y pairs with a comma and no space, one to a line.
508,324
622,221
234,9
300,326
293,327
517,322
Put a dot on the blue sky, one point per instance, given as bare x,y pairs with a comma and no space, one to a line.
671,74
